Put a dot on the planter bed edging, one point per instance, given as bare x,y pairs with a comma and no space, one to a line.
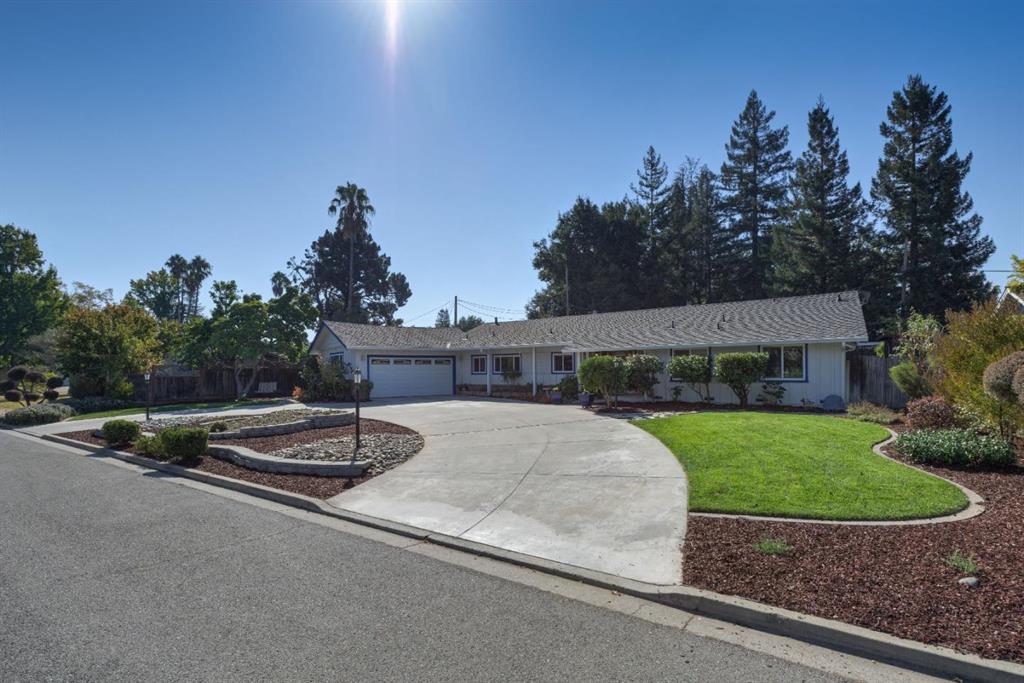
314,422
835,635
246,457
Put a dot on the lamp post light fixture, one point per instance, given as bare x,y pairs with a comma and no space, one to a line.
357,381
148,393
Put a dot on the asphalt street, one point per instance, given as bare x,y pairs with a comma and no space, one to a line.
111,573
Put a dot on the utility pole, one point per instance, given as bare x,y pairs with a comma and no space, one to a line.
455,318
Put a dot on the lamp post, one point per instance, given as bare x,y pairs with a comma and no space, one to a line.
357,381
149,393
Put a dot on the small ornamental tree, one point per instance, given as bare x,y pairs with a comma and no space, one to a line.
998,381
642,371
739,371
695,370
605,375
25,386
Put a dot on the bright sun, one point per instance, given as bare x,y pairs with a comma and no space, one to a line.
392,14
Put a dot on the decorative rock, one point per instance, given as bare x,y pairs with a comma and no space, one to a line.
970,581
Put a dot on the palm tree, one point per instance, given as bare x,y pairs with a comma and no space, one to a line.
195,274
177,265
353,209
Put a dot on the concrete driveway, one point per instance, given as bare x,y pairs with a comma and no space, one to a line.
555,482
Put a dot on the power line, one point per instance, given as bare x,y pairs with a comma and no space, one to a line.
496,309
491,314
432,310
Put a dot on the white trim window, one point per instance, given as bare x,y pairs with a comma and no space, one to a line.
336,358
478,365
509,363
563,364
786,363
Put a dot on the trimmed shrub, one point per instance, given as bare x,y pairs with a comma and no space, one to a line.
570,388
149,446
932,412
869,412
605,375
42,413
120,432
183,443
909,380
218,426
54,382
7,385
12,395
693,369
51,394
642,370
35,377
739,371
17,373
95,404
961,447
998,377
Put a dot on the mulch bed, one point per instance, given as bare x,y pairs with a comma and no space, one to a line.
891,579
307,485
268,444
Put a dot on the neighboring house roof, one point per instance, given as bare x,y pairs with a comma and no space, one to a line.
1009,298
820,317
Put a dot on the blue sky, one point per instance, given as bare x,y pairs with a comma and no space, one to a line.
132,131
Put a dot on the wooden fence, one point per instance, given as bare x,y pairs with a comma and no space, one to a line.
171,384
869,380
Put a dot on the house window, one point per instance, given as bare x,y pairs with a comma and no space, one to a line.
687,352
336,358
479,365
785,362
562,363
503,364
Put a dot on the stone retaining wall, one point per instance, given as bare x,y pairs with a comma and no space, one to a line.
314,422
246,457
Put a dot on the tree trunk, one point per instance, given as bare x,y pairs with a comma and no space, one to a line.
351,274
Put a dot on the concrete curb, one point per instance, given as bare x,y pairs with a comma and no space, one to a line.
254,460
973,509
828,633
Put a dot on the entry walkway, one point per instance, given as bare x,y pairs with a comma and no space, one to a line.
555,482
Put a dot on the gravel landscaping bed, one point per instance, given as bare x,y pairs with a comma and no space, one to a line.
893,579
234,422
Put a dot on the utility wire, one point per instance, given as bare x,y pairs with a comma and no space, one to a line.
432,310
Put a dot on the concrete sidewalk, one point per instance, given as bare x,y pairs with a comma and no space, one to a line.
555,482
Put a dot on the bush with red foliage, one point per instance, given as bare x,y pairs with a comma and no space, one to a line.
931,412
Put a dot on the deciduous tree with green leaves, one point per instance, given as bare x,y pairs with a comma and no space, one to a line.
31,298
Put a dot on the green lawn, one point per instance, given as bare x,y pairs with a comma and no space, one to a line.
789,465
177,406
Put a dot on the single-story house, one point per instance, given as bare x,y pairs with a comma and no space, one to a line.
806,337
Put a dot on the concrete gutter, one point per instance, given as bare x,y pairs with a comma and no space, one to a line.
835,635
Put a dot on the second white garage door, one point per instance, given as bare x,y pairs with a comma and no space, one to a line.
394,376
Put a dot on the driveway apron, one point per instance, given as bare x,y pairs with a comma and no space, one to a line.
555,482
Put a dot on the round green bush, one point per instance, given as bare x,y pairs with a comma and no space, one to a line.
17,373
32,396
120,432
12,395
55,382
219,426
35,377
183,443
150,446
998,377
42,413
51,394
961,447
739,370
605,375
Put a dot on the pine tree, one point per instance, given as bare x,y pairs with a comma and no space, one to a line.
651,192
754,178
933,243
444,318
710,243
825,243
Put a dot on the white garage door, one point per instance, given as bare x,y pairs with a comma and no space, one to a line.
410,376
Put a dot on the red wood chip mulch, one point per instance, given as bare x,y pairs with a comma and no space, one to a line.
315,487
892,579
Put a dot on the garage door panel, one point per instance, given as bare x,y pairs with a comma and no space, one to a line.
397,376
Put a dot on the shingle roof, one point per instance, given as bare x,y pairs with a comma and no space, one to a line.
819,317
